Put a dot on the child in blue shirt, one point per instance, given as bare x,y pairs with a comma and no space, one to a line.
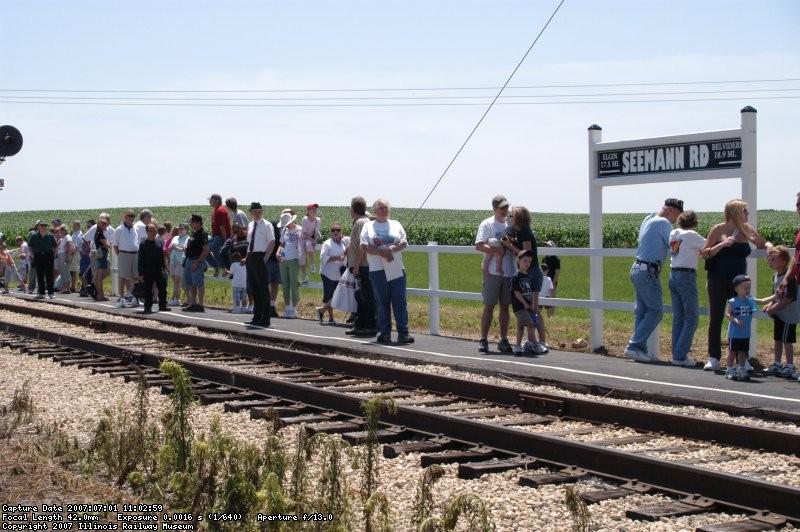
739,312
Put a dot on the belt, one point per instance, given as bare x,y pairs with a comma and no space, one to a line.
123,251
656,265
689,270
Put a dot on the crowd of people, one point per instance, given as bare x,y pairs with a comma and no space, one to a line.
263,257
724,251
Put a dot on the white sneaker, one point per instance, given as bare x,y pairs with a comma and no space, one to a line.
741,373
712,365
542,348
249,309
313,268
289,312
688,363
121,303
304,279
747,367
730,374
517,349
774,369
51,296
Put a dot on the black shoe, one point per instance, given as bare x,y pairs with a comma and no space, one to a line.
351,332
404,338
147,311
185,305
164,309
259,323
384,338
351,318
365,333
273,312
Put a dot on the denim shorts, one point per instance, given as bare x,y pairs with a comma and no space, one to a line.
273,272
196,278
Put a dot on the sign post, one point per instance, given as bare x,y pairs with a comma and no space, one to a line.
726,154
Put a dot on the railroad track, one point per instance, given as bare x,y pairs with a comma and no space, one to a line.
484,428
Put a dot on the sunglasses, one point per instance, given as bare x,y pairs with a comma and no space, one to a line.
336,230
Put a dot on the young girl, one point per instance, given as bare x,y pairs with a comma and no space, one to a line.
309,235
739,312
23,261
7,265
238,274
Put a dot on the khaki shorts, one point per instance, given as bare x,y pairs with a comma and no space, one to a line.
523,318
128,265
75,263
496,289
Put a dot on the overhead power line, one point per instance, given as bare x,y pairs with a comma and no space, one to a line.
389,89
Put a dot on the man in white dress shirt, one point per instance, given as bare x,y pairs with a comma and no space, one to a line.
260,242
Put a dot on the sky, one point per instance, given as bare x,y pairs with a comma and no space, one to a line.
152,103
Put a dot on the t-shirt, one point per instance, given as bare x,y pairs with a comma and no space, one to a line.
684,248
491,228
239,273
791,312
744,310
220,218
521,282
382,235
290,239
654,239
520,236
330,268
195,244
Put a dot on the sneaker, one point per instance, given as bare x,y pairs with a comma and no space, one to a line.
517,349
543,348
712,365
528,347
313,268
121,303
741,373
786,371
730,374
384,338
304,280
250,311
747,367
483,345
774,369
331,321
289,312
687,363
504,346
51,296
320,315
38,296
637,354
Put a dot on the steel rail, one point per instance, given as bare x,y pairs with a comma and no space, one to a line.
725,488
736,434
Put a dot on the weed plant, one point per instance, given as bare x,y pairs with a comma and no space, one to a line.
581,517
423,499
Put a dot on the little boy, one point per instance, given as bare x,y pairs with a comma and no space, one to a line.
238,274
525,302
739,312
784,310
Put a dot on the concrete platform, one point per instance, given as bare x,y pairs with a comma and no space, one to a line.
578,371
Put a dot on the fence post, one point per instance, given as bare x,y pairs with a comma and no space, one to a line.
433,286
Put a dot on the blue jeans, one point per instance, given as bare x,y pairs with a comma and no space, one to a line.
214,246
683,288
649,305
390,296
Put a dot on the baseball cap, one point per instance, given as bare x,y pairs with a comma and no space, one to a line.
499,201
675,203
196,218
312,206
739,279
525,253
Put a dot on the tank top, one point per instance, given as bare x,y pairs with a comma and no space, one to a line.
730,261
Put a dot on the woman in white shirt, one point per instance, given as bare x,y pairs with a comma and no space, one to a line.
384,240
685,245
332,258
